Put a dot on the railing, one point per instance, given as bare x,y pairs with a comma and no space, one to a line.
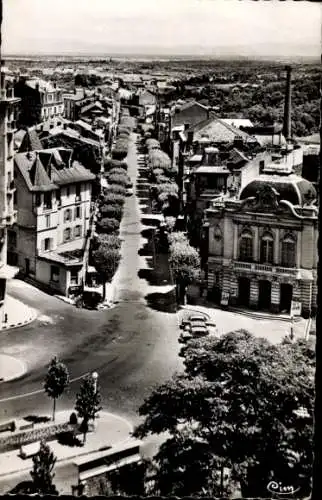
266,268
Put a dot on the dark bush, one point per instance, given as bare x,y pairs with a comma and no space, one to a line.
111,211
113,199
73,418
116,188
120,179
107,225
115,171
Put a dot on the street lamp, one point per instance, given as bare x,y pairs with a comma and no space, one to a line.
95,378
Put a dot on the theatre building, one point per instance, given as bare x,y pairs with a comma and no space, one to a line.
262,247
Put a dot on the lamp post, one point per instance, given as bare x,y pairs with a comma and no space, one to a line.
95,378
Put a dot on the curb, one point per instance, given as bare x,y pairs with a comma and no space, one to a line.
249,314
31,318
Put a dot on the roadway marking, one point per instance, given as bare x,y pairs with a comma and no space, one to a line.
39,391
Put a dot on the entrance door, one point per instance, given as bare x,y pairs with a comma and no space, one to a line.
264,294
243,291
27,263
286,297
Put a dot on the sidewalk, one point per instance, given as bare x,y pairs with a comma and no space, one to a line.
18,313
110,430
11,368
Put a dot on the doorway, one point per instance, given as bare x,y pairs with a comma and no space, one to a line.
243,291
286,297
264,294
27,264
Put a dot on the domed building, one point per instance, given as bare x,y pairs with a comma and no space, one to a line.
262,247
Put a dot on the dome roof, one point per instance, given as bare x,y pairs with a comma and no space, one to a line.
292,188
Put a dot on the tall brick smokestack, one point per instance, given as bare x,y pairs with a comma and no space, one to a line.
287,105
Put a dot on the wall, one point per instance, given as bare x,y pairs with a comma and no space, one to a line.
26,216
43,274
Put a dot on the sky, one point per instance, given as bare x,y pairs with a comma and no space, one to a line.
187,27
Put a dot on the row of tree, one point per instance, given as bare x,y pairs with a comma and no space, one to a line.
105,248
164,189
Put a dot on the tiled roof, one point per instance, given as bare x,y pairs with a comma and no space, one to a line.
30,141
46,170
217,131
73,135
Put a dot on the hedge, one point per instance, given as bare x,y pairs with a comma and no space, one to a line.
15,441
120,179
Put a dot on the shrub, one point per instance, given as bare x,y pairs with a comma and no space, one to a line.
116,188
73,419
113,199
116,171
109,240
109,164
122,180
112,211
107,225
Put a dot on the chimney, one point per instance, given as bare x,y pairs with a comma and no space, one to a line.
287,105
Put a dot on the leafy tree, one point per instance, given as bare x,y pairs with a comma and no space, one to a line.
42,472
185,265
56,381
116,188
109,240
107,225
234,407
88,401
116,171
120,179
112,211
106,259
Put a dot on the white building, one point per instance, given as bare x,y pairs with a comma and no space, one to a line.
54,210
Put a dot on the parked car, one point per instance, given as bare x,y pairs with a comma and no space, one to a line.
191,319
199,331
129,192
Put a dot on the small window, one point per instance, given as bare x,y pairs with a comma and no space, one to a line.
58,198
55,110
77,231
47,244
78,190
54,273
74,277
78,212
67,234
47,221
38,200
67,191
67,215
48,200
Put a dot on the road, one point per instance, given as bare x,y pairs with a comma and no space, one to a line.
132,346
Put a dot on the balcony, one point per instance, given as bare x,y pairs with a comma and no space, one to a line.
266,269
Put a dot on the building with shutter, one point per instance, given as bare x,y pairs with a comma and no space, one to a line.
54,209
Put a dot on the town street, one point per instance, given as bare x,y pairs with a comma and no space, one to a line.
131,346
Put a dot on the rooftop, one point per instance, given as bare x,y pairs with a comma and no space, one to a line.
47,169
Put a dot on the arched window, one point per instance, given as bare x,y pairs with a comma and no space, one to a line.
246,247
266,250
288,252
218,246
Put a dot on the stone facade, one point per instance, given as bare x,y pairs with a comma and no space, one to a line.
262,252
